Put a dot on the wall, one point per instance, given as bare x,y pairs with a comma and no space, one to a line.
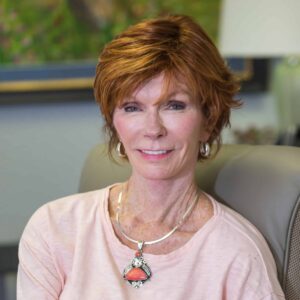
42,149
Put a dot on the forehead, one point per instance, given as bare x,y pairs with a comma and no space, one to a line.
160,87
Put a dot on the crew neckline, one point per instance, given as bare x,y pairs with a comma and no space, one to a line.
125,251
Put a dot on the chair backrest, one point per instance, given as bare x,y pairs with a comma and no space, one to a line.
260,182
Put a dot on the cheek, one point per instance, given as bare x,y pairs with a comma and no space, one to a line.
189,129
124,128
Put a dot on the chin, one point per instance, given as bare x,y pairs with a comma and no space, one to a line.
157,173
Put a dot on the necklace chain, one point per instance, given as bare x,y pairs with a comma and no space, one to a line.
178,224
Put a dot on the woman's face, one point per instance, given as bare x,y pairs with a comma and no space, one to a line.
160,130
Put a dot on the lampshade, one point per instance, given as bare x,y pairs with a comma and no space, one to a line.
260,28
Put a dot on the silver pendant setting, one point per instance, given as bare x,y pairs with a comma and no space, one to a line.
137,272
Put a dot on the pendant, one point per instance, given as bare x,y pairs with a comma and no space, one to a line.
137,272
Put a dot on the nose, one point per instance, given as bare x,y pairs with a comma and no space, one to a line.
154,127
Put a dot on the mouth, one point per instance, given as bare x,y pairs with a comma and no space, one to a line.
155,154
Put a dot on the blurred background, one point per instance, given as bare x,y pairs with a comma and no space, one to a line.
48,117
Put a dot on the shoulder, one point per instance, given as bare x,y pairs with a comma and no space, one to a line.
50,239
245,250
66,213
72,204
235,227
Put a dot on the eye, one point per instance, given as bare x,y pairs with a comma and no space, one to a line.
131,107
176,105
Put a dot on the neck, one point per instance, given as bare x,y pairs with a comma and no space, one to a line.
158,201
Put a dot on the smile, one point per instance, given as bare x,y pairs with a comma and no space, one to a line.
155,152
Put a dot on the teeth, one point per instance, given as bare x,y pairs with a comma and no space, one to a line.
154,152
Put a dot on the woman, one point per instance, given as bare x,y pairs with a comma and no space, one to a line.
165,94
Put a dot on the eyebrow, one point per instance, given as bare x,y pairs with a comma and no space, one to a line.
132,99
127,101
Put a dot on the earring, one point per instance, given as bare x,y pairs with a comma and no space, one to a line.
119,151
204,149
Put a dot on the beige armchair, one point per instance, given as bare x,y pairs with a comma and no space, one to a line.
260,182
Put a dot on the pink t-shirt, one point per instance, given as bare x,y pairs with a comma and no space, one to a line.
69,251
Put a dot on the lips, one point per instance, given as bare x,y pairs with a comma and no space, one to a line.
155,152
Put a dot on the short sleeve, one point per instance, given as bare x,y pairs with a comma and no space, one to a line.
249,278
273,296
38,275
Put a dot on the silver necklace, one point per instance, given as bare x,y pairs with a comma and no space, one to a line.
138,272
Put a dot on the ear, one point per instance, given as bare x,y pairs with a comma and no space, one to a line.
204,134
205,130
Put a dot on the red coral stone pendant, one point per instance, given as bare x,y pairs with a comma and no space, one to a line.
137,272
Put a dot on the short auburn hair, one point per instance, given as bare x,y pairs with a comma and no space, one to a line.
178,47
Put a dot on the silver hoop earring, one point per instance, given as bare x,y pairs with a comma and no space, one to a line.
204,149
119,151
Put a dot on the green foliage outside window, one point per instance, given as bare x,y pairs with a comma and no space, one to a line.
38,31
